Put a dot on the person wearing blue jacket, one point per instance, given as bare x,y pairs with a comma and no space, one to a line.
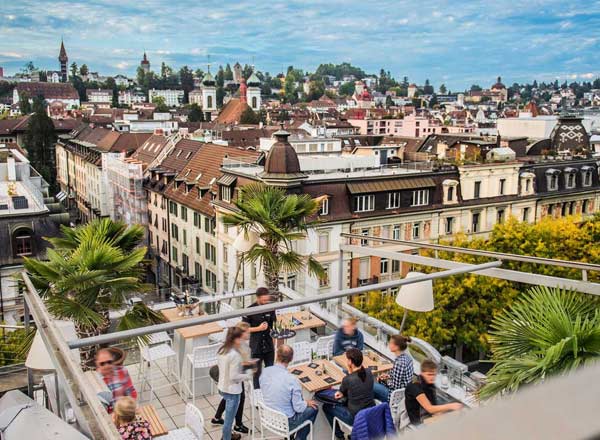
348,336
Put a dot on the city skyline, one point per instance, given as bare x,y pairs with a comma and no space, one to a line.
454,45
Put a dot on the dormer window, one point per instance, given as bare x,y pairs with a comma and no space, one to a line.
324,206
586,175
570,174
526,182
393,200
420,197
552,179
450,188
226,193
364,203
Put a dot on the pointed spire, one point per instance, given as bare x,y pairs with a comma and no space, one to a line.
62,56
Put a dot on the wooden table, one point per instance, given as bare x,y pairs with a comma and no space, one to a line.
157,427
302,326
318,383
381,365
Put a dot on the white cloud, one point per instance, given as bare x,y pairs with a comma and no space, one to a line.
11,55
122,65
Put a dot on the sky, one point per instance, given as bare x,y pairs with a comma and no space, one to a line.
458,43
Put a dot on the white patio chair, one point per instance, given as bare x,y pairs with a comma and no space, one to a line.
277,423
204,356
193,429
157,348
302,352
397,406
323,346
256,397
225,308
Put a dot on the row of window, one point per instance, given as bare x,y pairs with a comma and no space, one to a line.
366,202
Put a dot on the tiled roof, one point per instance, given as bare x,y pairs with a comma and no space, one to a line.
179,156
48,90
246,138
203,168
231,112
150,149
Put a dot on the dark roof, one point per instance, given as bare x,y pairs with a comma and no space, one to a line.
150,149
48,90
282,158
381,185
202,171
245,138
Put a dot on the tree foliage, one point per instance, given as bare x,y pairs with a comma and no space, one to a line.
545,332
340,70
161,106
39,142
195,114
465,305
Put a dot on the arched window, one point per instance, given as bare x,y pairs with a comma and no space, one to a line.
209,103
254,102
22,242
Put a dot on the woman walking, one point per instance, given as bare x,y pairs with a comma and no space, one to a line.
239,416
231,377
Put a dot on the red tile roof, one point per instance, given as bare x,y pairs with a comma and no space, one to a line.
48,90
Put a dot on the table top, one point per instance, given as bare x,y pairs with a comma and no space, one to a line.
311,322
157,427
193,331
381,365
333,374
172,314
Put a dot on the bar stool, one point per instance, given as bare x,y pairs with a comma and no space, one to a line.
157,348
204,356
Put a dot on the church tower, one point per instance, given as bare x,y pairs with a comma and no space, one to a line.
209,95
253,92
63,59
145,64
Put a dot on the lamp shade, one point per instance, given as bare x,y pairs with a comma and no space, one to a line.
244,243
38,357
416,296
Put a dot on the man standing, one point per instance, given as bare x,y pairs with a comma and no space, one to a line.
115,377
261,342
282,392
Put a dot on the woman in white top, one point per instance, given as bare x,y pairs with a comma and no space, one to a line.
239,416
231,377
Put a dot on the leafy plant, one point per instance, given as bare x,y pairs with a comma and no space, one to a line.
547,331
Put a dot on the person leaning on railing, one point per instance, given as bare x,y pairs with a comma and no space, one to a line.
402,372
421,396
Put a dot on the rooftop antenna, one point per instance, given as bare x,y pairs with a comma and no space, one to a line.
208,62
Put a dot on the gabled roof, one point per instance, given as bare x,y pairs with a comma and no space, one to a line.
232,112
48,90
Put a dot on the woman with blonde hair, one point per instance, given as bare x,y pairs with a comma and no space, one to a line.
129,424
231,376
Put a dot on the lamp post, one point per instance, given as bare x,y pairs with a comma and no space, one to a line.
417,296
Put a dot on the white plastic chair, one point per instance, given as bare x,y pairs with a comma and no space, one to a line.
194,426
323,346
302,352
157,348
256,397
285,310
398,407
204,356
225,308
277,423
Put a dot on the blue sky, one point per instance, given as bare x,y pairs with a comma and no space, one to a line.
456,42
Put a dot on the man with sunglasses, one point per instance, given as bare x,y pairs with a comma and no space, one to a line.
115,377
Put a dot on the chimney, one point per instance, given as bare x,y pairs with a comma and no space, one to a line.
12,169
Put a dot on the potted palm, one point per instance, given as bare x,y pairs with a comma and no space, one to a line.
89,271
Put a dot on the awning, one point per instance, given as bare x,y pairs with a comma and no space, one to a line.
61,196
390,185
227,180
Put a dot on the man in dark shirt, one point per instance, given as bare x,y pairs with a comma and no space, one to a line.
420,396
261,342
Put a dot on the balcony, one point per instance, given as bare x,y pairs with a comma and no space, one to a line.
330,309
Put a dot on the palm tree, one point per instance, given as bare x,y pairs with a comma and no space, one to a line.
548,331
88,272
278,219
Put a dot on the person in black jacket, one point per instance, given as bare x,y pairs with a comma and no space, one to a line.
348,336
261,342
356,388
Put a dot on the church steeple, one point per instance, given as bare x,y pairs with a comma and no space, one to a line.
63,59
145,64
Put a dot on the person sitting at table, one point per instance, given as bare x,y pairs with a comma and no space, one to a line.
402,372
356,389
115,377
231,377
281,391
421,397
348,336
239,416
261,342
130,425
